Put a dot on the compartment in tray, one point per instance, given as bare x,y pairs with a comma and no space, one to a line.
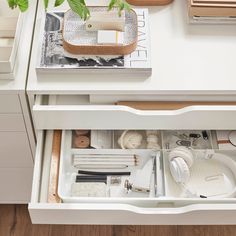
81,139
134,172
117,139
212,175
196,139
226,139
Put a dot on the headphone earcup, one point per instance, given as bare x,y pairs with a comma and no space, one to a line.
184,153
179,170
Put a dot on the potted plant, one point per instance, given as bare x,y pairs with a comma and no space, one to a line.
78,6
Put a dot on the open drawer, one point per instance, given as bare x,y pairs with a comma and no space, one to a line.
46,208
76,112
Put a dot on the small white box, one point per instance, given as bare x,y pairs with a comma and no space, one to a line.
110,37
8,26
10,30
6,57
109,20
6,45
8,20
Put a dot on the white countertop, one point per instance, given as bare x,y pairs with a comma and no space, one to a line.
186,59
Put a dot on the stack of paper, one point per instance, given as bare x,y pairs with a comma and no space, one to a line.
9,35
218,9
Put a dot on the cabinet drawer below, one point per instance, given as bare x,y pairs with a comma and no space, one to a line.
15,185
15,150
46,208
12,122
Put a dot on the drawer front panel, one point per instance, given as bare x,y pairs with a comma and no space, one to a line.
10,104
15,150
124,117
119,214
15,185
12,122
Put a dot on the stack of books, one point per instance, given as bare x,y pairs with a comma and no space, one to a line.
9,34
219,10
53,59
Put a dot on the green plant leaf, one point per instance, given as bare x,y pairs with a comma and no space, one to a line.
46,3
120,4
23,5
58,2
79,7
12,4
127,6
111,4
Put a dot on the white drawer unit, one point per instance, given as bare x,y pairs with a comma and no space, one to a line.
185,68
17,141
57,113
135,211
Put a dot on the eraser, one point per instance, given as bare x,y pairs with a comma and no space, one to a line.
110,37
88,190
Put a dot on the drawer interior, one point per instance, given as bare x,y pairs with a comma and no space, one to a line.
85,99
58,175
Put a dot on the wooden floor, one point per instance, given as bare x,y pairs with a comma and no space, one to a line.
15,221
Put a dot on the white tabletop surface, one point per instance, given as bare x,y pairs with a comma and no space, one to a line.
186,59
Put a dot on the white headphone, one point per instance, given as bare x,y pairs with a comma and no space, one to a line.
182,158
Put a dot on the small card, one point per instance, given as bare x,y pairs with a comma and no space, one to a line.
88,190
110,37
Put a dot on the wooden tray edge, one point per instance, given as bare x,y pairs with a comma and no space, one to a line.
101,49
149,2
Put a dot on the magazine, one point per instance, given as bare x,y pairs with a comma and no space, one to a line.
54,59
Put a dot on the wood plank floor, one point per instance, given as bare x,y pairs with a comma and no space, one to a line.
15,221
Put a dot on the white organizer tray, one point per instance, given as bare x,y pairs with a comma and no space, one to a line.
10,30
163,185
67,173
